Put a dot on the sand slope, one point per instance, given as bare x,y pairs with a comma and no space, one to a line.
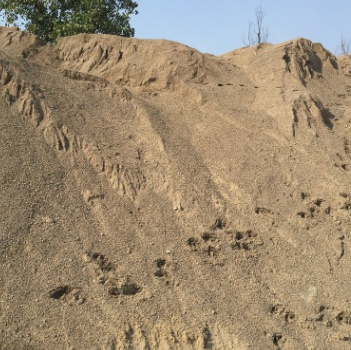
154,197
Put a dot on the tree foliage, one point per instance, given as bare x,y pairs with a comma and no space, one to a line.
52,19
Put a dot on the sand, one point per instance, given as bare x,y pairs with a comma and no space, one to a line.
154,197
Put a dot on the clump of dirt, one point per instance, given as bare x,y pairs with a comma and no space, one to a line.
154,197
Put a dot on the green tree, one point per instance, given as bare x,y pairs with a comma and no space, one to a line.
53,19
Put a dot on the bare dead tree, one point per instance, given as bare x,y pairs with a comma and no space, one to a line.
345,46
257,32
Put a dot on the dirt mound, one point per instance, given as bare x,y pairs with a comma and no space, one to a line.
17,42
159,63
154,197
134,62
300,57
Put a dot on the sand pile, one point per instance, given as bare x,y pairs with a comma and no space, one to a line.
154,197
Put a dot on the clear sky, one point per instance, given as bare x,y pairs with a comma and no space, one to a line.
219,26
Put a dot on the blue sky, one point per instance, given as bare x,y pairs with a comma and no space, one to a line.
218,26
